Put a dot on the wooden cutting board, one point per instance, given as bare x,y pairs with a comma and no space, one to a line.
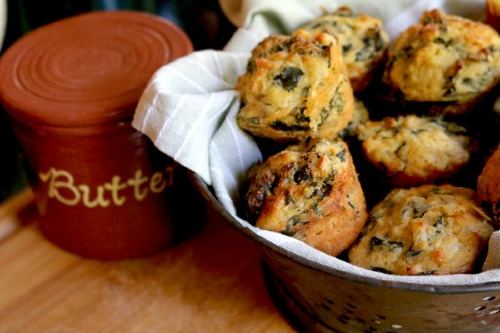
209,283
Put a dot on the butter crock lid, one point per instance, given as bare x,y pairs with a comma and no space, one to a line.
87,69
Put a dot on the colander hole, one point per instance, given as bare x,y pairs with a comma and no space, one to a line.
380,317
352,306
494,312
359,320
327,304
396,326
378,322
349,311
343,319
479,308
327,307
484,322
489,298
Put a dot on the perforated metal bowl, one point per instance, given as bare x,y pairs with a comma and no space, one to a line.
322,299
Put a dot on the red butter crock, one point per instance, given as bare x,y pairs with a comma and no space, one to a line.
71,88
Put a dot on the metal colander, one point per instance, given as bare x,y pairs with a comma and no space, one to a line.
317,298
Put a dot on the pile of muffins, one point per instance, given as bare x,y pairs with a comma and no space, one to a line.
377,153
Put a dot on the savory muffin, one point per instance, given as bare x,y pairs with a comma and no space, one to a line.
493,13
449,62
427,230
362,38
496,107
309,191
488,184
360,116
415,150
295,87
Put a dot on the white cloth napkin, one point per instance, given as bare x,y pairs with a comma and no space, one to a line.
3,20
189,110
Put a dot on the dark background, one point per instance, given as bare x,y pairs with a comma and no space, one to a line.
203,21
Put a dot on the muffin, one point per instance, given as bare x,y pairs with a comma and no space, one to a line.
427,230
362,38
295,87
360,116
493,13
309,191
414,150
446,62
496,108
488,184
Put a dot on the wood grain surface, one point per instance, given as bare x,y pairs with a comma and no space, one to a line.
210,283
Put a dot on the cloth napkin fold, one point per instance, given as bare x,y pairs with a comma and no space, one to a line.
189,111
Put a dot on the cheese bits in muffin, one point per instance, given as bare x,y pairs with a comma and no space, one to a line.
428,230
447,61
415,150
362,38
488,184
295,87
309,191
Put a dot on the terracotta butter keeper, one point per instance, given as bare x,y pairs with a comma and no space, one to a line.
71,88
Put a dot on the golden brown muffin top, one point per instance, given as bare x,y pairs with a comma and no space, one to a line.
488,184
444,58
311,192
424,230
302,175
493,6
295,87
422,148
362,38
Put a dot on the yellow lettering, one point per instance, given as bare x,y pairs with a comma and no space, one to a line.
61,187
99,200
44,177
157,183
136,183
115,187
61,180
169,175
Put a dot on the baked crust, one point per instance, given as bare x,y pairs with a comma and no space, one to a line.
360,115
447,61
295,87
488,184
311,192
415,150
493,13
427,230
362,38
